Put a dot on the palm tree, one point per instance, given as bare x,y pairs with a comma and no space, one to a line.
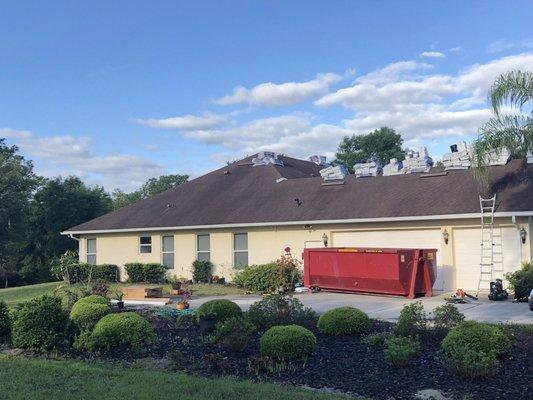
513,131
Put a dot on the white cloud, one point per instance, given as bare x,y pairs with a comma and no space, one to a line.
73,154
282,94
432,54
501,45
186,122
456,49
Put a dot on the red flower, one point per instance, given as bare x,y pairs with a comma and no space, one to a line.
287,249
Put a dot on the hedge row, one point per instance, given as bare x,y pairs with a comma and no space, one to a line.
150,273
81,272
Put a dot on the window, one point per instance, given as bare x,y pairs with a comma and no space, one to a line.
145,244
167,251
240,250
91,251
203,248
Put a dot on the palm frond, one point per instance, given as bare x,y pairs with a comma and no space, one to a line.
514,88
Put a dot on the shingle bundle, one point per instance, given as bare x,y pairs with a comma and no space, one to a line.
530,157
265,158
498,157
370,168
319,160
333,173
394,167
417,161
460,159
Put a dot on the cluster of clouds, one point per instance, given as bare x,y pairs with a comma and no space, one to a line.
69,155
408,95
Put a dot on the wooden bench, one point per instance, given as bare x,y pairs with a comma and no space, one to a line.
140,292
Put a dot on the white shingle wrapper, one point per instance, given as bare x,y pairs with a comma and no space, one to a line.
371,168
394,167
265,158
498,157
530,157
417,161
319,160
334,173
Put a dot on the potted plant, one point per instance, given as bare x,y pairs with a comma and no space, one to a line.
182,305
119,295
215,279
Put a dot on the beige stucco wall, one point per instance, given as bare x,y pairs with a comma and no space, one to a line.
267,243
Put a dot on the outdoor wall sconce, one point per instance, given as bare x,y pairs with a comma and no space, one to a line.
523,235
445,236
325,240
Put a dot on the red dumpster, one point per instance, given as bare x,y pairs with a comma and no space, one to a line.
403,272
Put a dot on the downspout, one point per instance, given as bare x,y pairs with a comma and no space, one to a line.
513,220
70,235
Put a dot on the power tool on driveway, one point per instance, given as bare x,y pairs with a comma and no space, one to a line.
459,297
497,292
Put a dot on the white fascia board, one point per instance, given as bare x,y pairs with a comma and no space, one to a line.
296,223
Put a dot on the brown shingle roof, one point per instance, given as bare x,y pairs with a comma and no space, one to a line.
249,195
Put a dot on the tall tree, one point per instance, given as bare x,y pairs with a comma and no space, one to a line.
17,181
59,204
152,187
512,129
383,143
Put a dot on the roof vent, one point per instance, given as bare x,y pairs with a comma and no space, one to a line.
417,161
459,158
334,173
319,160
265,158
394,167
371,168
279,180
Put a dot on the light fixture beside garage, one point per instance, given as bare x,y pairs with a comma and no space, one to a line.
445,236
523,235
325,240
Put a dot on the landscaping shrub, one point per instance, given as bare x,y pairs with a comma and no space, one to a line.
220,309
41,324
447,316
476,336
377,339
86,315
127,332
343,321
100,289
276,309
471,364
5,323
287,342
150,273
68,268
93,298
104,272
234,333
400,350
201,271
412,319
521,282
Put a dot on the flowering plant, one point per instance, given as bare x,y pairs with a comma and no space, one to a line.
289,269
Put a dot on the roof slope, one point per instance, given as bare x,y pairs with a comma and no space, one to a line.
243,194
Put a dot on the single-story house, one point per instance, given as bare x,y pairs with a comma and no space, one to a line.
243,214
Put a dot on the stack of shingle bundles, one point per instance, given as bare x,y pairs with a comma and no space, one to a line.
394,167
333,173
498,157
530,157
417,161
265,158
459,158
319,160
370,168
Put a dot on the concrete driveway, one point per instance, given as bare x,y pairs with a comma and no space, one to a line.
388,308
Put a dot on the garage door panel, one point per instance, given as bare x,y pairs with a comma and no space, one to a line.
419,238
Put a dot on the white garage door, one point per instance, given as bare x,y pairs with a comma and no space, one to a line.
417,238
468,253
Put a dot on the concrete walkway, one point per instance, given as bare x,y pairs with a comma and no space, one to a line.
388,308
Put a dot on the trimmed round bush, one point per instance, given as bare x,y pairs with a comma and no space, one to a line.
5,323
277,309
86,315
400,350
287,342
221,309
128,332
93,299
343,321
476,336
234,333
41,324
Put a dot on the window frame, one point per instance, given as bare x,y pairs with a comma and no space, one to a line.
163,252
198,251
141,245
235,251
87,254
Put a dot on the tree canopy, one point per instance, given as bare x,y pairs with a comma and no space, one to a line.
383,143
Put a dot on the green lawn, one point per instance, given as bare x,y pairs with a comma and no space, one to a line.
26,378
16,295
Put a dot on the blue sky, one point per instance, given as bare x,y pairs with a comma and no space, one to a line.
120,91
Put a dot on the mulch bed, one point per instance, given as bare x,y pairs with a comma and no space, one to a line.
345,363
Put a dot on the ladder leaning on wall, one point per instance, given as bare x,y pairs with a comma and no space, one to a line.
491,262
